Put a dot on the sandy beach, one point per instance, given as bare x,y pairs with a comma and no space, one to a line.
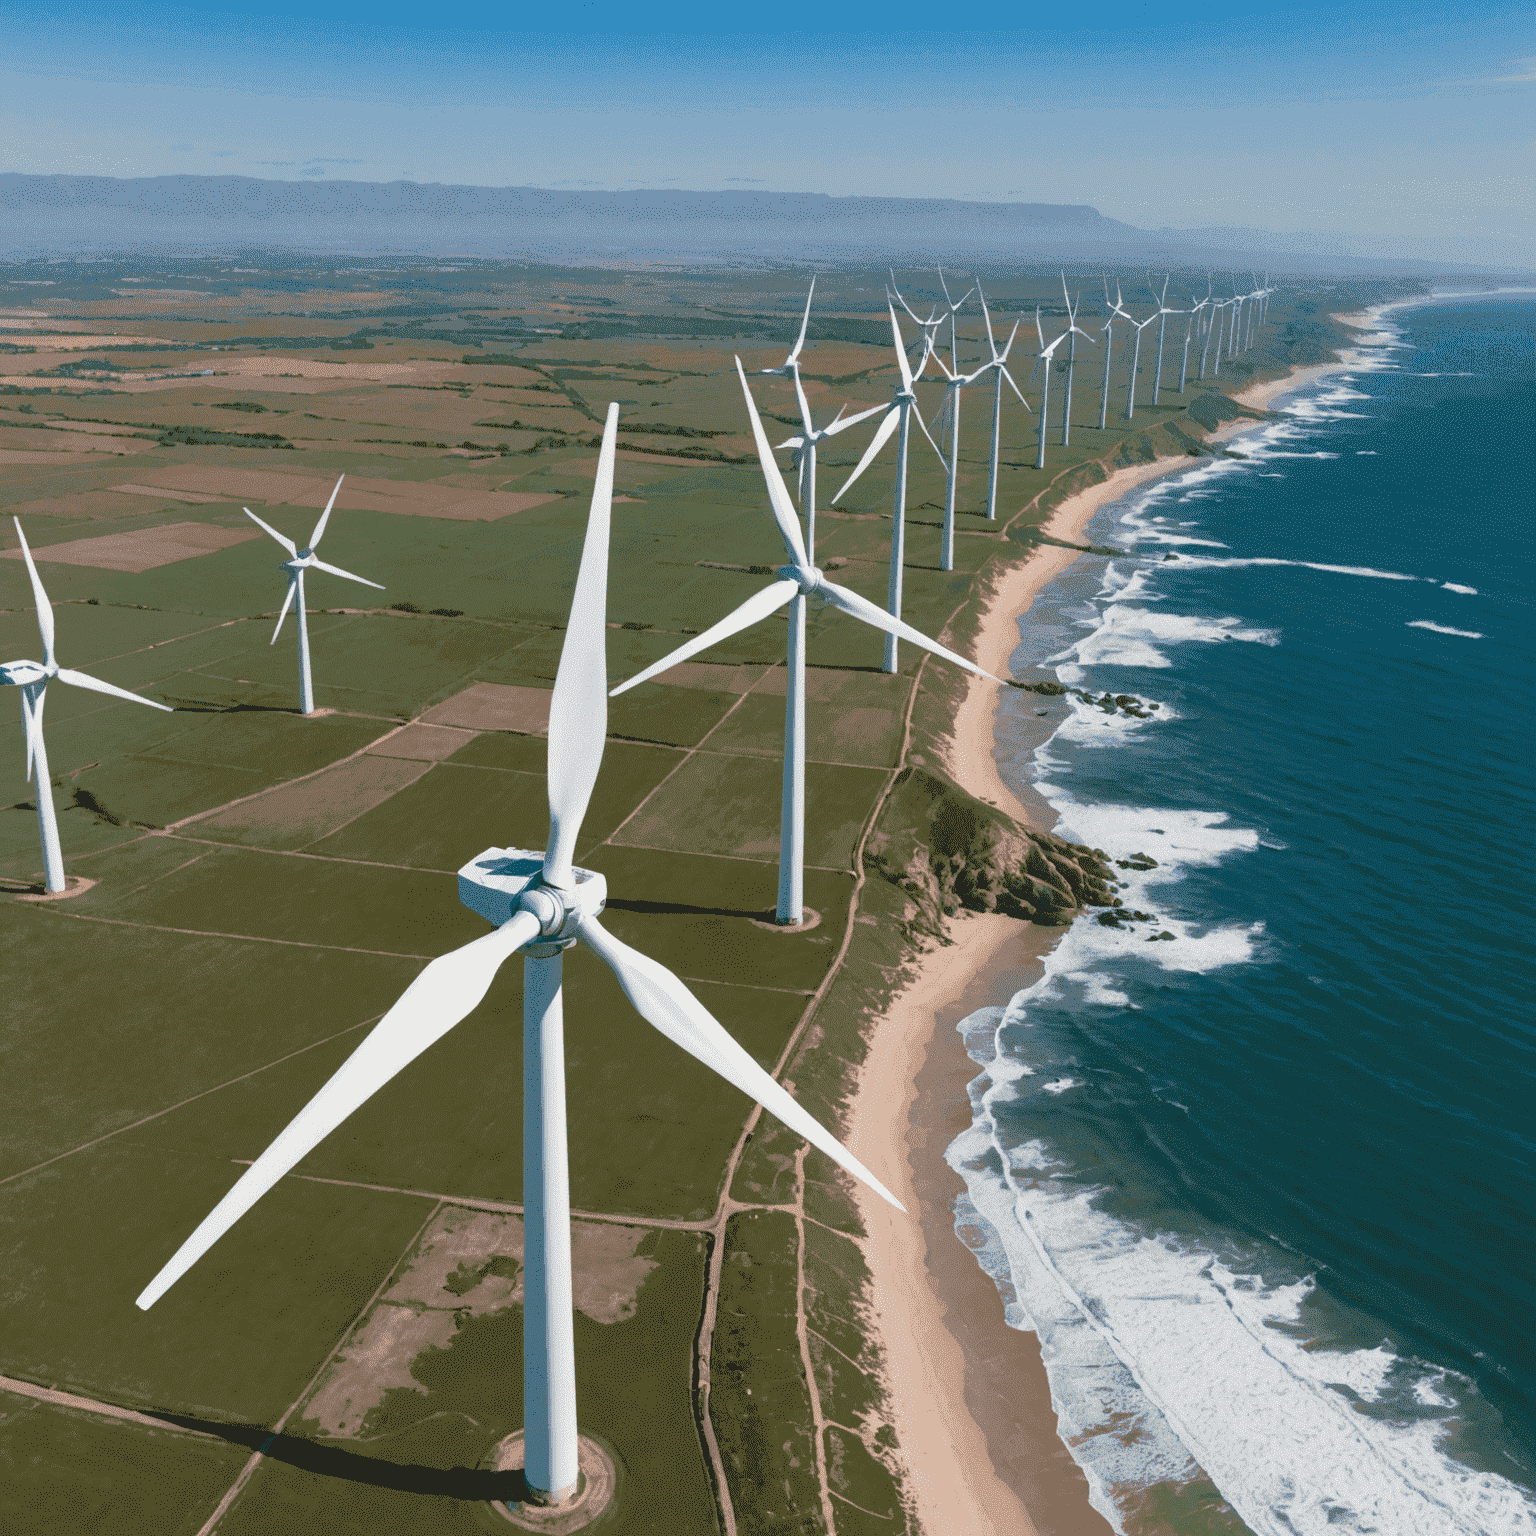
969,1395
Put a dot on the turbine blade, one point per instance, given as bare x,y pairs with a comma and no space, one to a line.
756,607
44,607
578,708
287,544
445,992
918,417
862,608
1019,392
82,680
778,497
796,442
293,587
844,422
876,443
336,570
805,320
325,516
901,351
668,1006
805,406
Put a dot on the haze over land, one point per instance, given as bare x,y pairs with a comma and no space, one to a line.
58,215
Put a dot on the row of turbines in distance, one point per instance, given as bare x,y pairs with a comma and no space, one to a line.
1218,327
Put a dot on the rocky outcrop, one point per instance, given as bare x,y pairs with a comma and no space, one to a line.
947,851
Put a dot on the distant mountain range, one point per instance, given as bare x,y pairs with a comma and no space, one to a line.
76,215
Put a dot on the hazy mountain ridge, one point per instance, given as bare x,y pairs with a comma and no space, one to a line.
57,215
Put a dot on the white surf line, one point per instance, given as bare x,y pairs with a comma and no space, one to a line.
1445,629
85,1146
258,1456
93,1405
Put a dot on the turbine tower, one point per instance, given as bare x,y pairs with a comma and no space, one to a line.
798,580
299,561
33,677
541,905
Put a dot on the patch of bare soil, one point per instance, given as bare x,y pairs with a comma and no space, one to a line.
142,549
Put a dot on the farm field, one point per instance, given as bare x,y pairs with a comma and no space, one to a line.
257,887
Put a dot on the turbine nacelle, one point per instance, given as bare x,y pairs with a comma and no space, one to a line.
808,577
501,882
20,674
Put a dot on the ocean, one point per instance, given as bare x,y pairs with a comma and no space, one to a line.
1257,1165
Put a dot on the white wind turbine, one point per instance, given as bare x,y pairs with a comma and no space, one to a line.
1220,308
33,677
1197,318
542,905
900,415
799,580
1113,312
998,363
299,561
1139,326
804,444
1212,322
1162,320
1072,334
949,413
1046,355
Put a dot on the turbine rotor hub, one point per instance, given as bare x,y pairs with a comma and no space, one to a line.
809,577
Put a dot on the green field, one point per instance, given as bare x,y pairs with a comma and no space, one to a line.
266,885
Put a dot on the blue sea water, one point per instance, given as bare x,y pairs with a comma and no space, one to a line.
1259,1169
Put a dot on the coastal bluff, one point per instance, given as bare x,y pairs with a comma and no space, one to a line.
948,851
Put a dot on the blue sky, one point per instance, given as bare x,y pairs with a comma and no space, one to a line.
1405,130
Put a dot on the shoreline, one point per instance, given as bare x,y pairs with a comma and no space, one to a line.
967,1394
970,752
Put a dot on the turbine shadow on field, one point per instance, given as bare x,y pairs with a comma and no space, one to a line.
469,1483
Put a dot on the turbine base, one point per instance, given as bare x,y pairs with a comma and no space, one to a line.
596,1485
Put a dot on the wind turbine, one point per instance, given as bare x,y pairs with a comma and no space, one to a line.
899,415
541,905
1073,332
1220,306
1197,317
999,366
804,445
33,677
798,580
1139,326
1212,323
1162,320
949,412
299,561
1115,312
1046,355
